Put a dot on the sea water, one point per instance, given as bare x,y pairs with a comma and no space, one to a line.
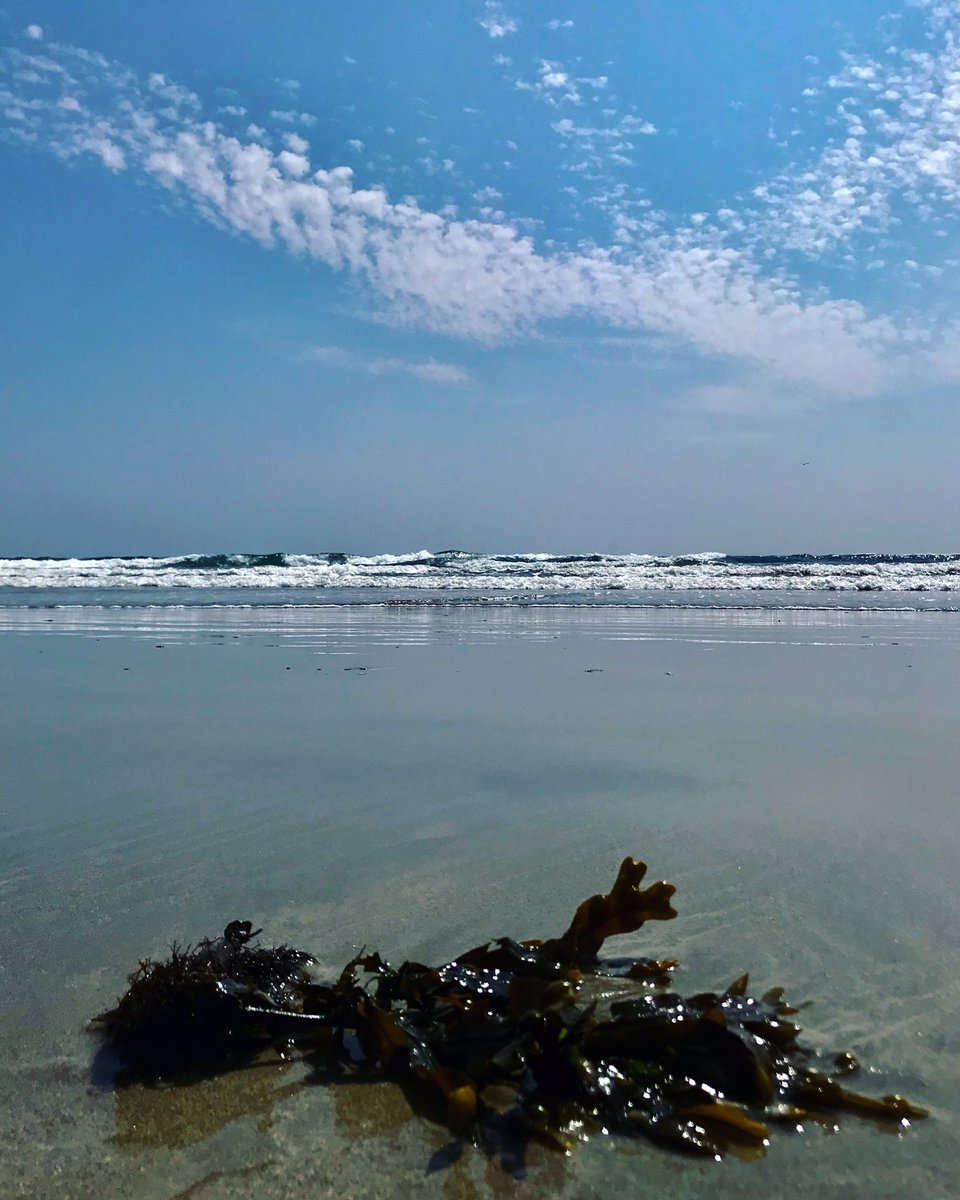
333,577
418,777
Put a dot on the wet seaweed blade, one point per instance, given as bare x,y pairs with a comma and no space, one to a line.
517,1040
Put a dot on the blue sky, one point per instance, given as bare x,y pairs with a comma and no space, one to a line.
496,275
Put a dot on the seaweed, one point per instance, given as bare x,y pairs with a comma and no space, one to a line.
511,1041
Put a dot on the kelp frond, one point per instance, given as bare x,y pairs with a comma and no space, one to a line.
526,1039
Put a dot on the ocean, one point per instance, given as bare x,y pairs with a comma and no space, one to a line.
865,581
419,752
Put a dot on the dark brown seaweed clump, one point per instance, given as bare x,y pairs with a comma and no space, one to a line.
516,1040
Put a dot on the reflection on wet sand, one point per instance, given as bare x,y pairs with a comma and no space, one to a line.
173,1115
367,1109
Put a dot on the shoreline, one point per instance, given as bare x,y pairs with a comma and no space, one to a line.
718,600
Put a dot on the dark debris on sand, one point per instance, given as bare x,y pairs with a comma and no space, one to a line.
513,1040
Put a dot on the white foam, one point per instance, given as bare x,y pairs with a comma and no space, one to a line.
522,573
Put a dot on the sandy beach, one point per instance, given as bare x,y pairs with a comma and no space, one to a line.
420,780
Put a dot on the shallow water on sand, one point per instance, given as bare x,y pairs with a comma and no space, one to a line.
419,780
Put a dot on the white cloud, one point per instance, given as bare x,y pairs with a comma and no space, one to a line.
432,164
597,144
900,144
289,87
636,125
556,23
296,165
496,21
429,369
34,32
553,84
292,117
107,151
602,149
552,77
475,279
569,128
176,95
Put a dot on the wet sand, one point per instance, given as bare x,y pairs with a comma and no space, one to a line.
417,781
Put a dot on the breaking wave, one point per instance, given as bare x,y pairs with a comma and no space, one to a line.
590,575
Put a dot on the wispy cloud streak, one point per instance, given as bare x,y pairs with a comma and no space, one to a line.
429,370
477,279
